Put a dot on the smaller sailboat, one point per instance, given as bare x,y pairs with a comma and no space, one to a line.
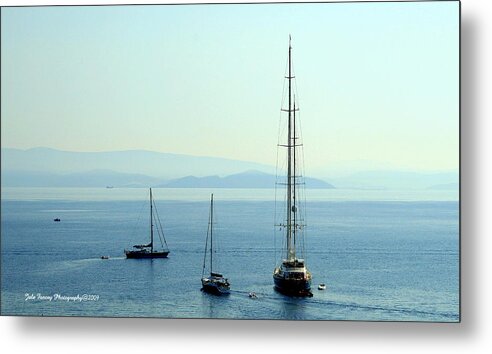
215,283
148,250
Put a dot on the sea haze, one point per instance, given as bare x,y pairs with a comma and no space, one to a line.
382,259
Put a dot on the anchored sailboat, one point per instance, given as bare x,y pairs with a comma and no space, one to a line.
148,250
215,283
292,277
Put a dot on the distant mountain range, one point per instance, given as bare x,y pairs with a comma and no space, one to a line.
44,167
248,179
105,178
149,163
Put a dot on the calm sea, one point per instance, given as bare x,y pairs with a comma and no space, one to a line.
384,255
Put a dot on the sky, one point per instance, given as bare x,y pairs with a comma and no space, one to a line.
377,83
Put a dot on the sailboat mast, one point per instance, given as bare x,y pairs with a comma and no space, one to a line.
294,206
151,225
211,228
290,251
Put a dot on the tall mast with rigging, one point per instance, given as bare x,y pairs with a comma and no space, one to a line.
151,224
291,166
290,250
211,228
292,276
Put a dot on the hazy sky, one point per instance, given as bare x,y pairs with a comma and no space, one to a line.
376,81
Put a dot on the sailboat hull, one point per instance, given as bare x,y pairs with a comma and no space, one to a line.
292,287
142,255
293,278
215,287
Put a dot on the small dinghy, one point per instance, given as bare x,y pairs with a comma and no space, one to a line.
321,286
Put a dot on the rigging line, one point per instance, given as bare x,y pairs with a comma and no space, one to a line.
158,226
295,90
305,231
275,193
206,249
303,166
275,215
154,214
277,167
284,82
217,246
294,184
160,229
211,231
302,190
300,195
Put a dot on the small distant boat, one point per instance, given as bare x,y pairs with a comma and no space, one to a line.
253,295
215,283
322,286
104,257
56,220
148,250
109,187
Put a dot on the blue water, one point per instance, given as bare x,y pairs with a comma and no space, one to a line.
384,257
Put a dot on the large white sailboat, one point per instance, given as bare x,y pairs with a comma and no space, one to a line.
291,277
